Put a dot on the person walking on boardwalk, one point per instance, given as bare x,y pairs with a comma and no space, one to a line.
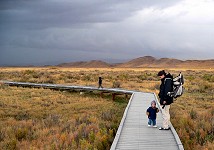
165,100
100,81
152,114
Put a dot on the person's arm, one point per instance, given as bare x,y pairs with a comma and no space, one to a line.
157,110
147,112
160,94
167,88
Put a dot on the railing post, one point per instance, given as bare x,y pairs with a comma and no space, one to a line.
113,96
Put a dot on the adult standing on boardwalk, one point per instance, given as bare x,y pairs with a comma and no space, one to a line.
165,100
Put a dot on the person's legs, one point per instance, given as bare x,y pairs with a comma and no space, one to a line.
154,123
166,116
150,122
100,86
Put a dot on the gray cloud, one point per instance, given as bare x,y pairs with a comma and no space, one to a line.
49,31
50,13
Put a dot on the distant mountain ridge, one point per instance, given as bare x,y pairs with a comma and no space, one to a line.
144,62
86,64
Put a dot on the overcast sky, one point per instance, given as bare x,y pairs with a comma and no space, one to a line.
55,31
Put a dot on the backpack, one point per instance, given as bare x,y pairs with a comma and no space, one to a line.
178,88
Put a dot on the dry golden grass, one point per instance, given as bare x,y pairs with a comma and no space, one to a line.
192,114
45,119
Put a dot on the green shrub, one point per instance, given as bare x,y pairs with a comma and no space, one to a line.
208,77
193,114
2,134
116,84
21,133
10,145
22,115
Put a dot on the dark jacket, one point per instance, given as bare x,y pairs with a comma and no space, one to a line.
165,87
100,80
152,112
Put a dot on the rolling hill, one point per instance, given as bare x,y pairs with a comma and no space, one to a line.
144,62
85,64
139,62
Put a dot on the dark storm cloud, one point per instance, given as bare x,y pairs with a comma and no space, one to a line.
44,31
46,13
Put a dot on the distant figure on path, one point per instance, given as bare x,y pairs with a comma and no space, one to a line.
100,81
165,100
152,114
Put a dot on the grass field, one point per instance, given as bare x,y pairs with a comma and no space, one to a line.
192,114
45,119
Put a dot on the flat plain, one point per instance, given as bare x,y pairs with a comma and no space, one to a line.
46,119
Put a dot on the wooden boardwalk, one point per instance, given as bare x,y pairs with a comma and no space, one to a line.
133,132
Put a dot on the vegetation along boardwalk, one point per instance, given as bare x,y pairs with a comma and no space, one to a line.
133,132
